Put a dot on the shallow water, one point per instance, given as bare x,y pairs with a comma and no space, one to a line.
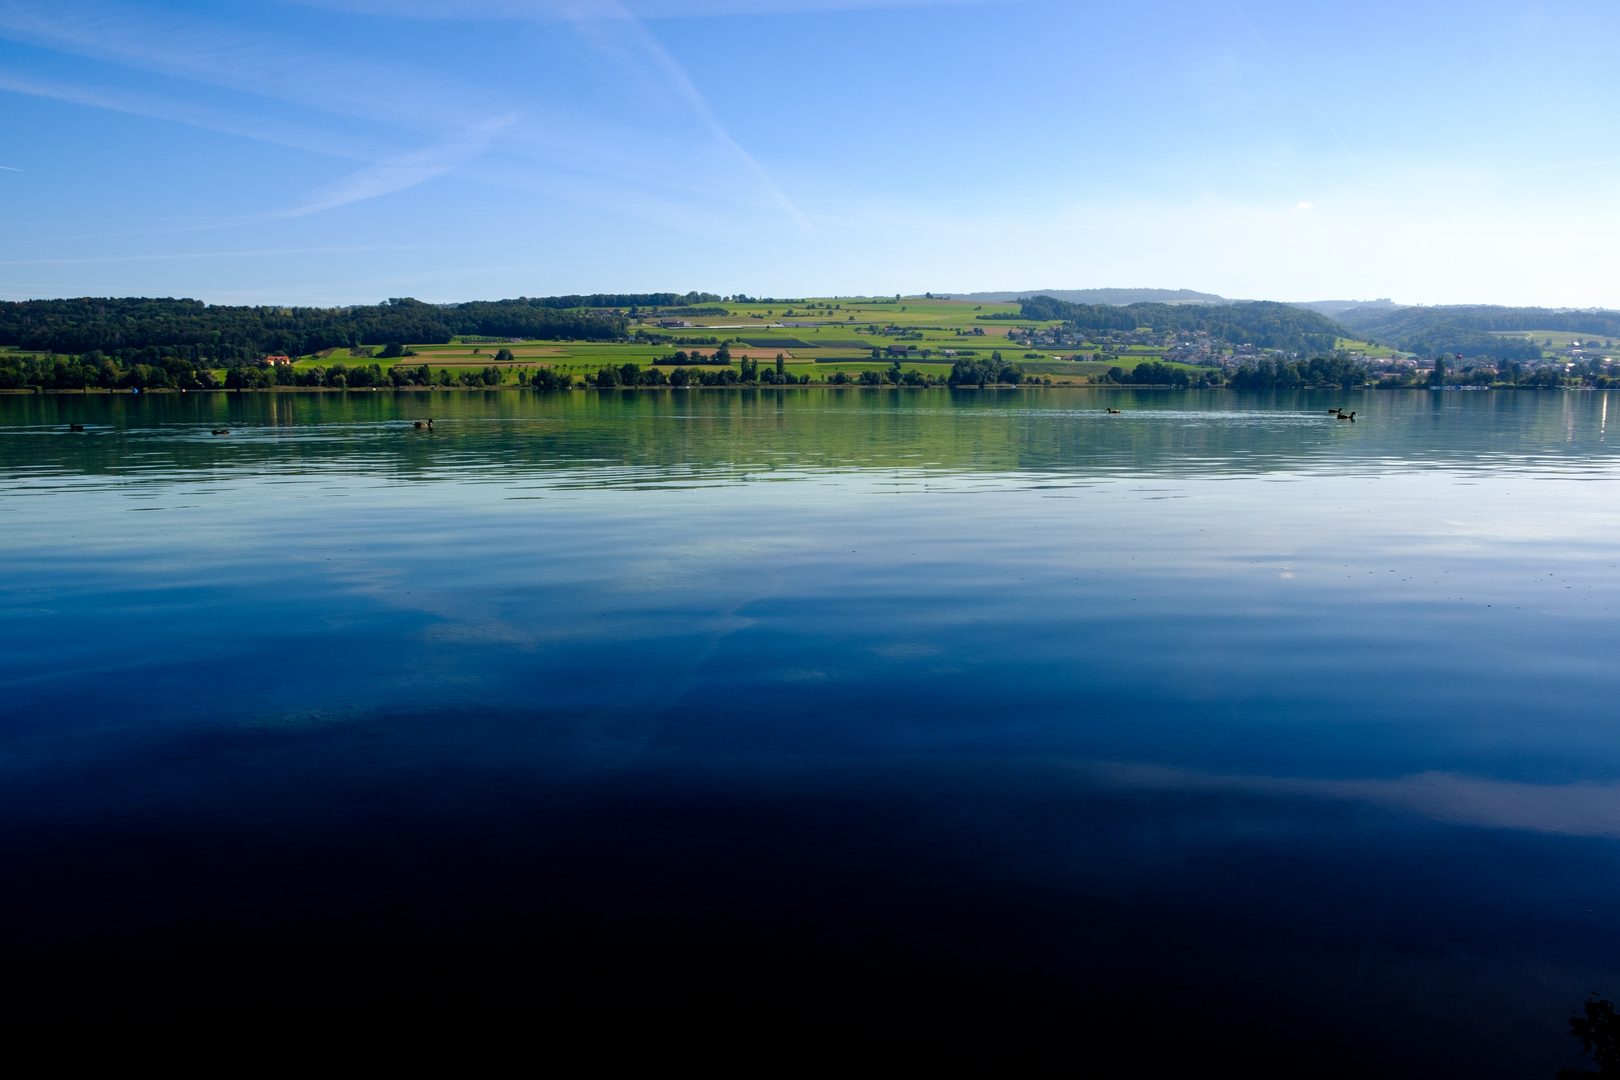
1307,724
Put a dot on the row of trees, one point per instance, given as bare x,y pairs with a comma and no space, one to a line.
1157,373
94,369
1278,374
748,372
1506,373
722,355
977,371
1269,373
226,335
344,376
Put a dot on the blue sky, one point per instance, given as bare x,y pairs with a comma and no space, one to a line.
334,151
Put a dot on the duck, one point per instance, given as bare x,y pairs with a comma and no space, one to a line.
222,431
1114,411
418,424
1350,416
75,427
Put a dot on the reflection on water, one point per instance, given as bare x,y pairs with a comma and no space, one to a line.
634,437
1217,697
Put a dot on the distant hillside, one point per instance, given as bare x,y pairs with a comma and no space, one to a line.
1337,309
1262,323
1466,329
1101,296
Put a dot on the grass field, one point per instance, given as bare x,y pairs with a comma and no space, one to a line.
818,336
1372,352
1561,339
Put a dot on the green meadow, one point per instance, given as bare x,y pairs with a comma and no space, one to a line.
817,336
1560,339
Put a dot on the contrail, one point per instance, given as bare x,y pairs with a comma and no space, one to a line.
8,168
672,70
1300,90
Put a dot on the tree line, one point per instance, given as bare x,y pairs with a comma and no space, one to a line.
749,372
152,368
1158,373
623,300
982,371
1594,373
224,335
344,376
94,370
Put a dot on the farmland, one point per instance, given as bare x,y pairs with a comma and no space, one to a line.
703,338
815,336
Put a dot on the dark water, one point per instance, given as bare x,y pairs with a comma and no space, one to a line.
1217,730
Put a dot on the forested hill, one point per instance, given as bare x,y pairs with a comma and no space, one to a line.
227,333
1263,324
1466,329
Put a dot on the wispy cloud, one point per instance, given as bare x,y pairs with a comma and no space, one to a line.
329,93
157,106
606,9
615,31
403,171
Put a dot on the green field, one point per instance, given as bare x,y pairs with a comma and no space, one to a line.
1371,352
1561,339
816,336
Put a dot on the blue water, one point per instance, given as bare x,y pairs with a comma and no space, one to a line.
988,711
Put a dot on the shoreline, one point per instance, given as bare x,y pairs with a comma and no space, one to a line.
97,391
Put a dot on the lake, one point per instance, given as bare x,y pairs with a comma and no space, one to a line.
1214,730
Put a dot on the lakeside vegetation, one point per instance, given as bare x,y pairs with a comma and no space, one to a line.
703,339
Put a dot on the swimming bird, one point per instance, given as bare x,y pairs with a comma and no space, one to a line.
418,424
430,423
75,427
1113,411
1350,416
222,431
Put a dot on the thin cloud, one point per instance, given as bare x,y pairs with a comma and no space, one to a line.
651,47
204,50
568,10
613,29
175,110
1299,90
219,54
403,170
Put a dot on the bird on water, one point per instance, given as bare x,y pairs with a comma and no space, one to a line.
75,427
222,431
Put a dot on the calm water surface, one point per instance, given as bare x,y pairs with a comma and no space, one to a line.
994,705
